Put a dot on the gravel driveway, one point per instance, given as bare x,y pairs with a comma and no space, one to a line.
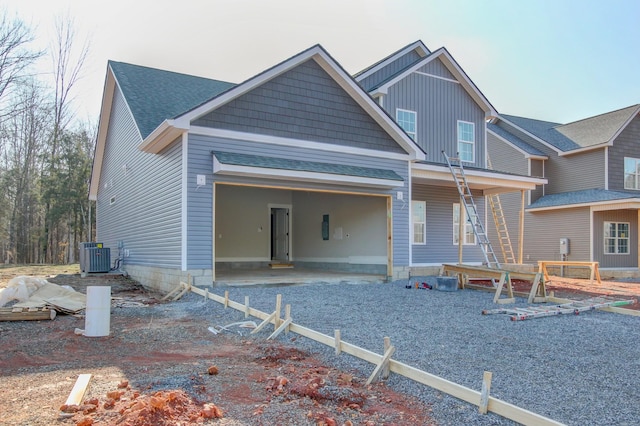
573,369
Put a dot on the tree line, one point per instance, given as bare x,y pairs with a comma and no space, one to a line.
45,153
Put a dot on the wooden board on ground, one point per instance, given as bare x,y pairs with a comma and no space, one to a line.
26,314
75,397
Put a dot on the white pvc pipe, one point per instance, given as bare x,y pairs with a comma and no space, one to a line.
98,313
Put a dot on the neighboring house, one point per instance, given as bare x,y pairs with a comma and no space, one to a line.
439,106
298,164
592,197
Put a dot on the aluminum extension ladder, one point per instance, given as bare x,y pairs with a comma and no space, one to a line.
457,171
573,307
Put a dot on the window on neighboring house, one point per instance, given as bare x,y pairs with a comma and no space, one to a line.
631,173
419,220
407,120
616,238
466,141
469,235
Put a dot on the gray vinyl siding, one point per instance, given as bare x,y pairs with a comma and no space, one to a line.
383,74
146,214
544,229
436,67
504,157
615,260
526,138
439,105
511,203
575,172
567,173
200,201
303,103
627,144
537,170
439,247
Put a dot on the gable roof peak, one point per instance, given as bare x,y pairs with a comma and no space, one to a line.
417,45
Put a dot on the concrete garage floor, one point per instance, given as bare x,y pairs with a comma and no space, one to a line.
293,276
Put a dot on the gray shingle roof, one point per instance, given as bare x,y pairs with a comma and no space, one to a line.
545,130
516,141
304,166
155,95
586,196
599,129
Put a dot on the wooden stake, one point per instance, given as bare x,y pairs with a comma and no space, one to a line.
75,397
173,292
383,363
276,324
384,374
287,315
246,306
338,344
280,329
484,394
206,293
226,299
266,321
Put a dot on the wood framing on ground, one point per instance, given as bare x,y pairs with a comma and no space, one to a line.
382,362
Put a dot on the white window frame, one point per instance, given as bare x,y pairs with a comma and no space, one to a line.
423,234
466,142
413,134
635,174
616,238
469,235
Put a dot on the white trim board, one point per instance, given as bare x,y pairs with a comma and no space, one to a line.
299,143
295,175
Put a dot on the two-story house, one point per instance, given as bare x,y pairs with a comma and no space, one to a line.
301,164
440,107
592,200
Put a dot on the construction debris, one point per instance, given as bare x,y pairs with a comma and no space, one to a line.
217,329
573,307
36,293
26,314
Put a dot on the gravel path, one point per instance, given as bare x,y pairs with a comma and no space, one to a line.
573,369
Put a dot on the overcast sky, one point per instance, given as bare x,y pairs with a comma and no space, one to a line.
558,60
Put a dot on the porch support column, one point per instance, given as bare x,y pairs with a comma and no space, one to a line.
461,220
521,230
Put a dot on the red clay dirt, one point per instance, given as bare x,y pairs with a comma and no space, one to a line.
161,366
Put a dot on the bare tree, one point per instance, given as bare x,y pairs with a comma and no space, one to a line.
67,66
15,56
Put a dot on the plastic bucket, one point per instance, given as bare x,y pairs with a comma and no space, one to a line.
98,313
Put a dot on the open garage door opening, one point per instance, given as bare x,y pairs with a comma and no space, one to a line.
260,228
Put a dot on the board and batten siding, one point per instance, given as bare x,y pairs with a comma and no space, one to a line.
303,103
146,192
629,260
544,229
627,144
438,104
437,68
200,200
375,79
439,247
